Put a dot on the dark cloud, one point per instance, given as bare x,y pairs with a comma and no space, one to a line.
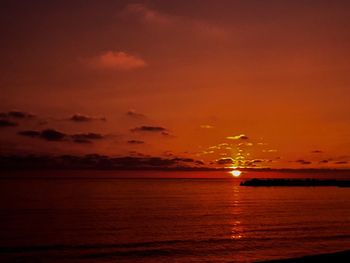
80,118
84,118
317,151
150,129
134,114
48,134
255,162
301,161
226,160
17,115
96,161
87,136
179,159
198,162
52,135
7,123
135,142
155,161
82,141
138,154
165,133
324,161
30,133
188,160
168,153
341,162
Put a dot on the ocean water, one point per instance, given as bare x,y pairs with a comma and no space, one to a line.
79,217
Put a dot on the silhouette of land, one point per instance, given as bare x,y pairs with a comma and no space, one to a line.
295,182
343,256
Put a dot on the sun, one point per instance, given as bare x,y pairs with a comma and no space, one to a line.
236,173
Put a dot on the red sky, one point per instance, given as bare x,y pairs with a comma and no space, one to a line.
179,78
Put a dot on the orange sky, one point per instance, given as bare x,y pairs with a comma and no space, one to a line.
179,78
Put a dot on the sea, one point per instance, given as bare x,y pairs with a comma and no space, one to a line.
114,216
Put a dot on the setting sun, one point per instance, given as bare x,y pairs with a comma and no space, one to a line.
236,173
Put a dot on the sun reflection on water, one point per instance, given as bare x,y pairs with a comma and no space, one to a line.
236,225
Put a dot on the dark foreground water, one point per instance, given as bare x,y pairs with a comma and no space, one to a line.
106,219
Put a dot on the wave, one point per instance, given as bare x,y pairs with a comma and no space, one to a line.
162,247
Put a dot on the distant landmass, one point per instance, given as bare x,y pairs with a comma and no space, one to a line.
129,162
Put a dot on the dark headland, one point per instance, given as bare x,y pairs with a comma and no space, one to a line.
295,182
343,256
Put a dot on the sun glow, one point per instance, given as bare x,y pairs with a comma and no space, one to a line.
236,173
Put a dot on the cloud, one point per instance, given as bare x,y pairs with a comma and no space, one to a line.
16,115
150,129
226,160
149,162
134,114
301,161
238,137
165,133
7,123
96,161
30,133
316,151
82,141
341,162
116,60
135,142
84,118
269,151
255,162
47,134
86,137
144,14
187,160
206,126
54,135
249,144
157,19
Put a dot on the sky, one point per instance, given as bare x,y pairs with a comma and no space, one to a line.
223,83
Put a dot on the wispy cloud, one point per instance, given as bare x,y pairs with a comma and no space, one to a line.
149,129
302,161
135,142
16,114
135,114
238,137
48,134
85,118
7,123
317,151
144,14
226,160
341,162
115,60
98,161
86,137
55,135
157,19
206,126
